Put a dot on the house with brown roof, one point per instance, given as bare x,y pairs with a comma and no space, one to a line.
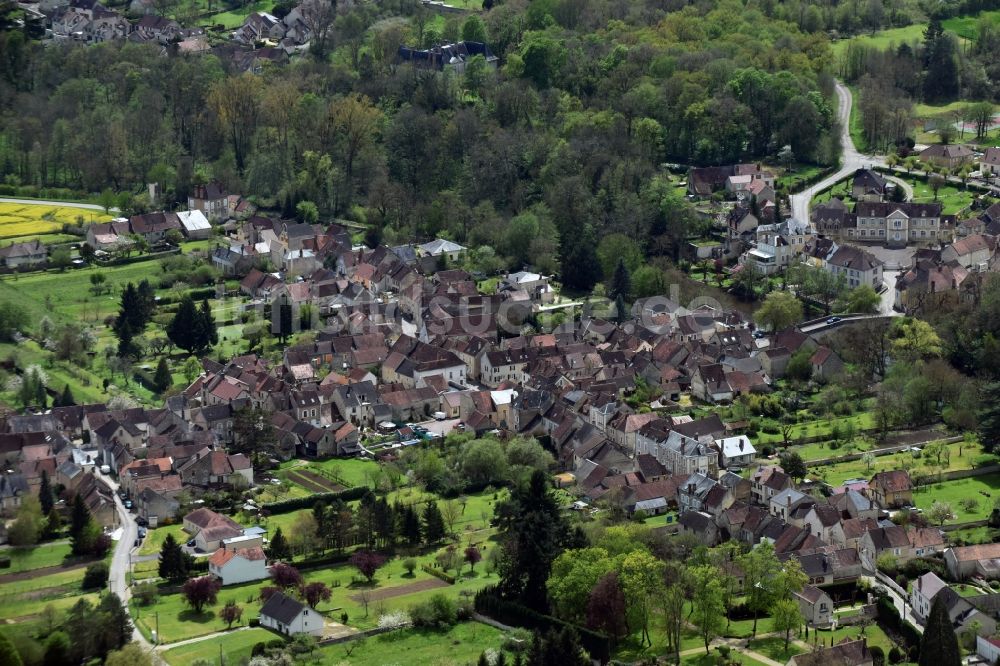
892,489
855,266
815,605
989,164
926,283
16,255
766,482
947,155
825,364
967,561
210,529
972,252
209,468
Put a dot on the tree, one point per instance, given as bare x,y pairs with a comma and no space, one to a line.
28,527
8,654
116,627
253,431
474,30
235,101
472,556
367,563
13,319
794,466
433,523
707,609
315,592
307,212
182,328
779,311
868,458
175,564
533,531
914,339
45,495
606,607
409,528
130,655
621,282
80,526
66,398
162,379
988,417
760,568
641,577
556,646
936,181
231,613
939,644
574,575
940,512
278,548
201,591
863,299
96,576
285,576
786,617
57,649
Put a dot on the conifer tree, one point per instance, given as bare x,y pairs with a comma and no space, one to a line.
162,380
433,523
939,645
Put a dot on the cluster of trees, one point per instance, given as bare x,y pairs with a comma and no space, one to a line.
373,523
193,328
538,162
135,310
935,71
85,533
84,633
465,463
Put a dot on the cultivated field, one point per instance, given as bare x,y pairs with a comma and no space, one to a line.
23,220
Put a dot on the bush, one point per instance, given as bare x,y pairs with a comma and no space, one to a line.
438,573
258,649
4,563
146,593
438,612
878,655
517,640
96,576
895,655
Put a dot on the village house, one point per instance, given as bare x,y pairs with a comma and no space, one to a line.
964,562
972,252
211,199
766,482
947,155
290,616
856,266
209,529
238,565
736,451
868,185
989,164
892,489
815,605
452,57
17,255
847,653
894,224
734,178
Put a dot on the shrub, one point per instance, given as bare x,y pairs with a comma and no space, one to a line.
394,620
517,640
438,612
96,576
146,593
438,573
895,655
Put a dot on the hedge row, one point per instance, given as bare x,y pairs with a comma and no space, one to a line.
890,616
33,192
488,602
195,294
801,184
438,573
296,503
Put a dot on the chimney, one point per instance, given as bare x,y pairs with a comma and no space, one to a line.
789,500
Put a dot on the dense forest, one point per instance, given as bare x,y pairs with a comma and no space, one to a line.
564,142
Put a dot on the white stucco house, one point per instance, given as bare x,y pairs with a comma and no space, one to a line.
238,565
290,616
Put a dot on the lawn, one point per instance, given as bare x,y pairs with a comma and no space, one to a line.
820,427
793,178
233,19
952,199
967,27
37,557
919,466
774,647
154,538
177,621
873,633
952,492
465,642
235,646
26,219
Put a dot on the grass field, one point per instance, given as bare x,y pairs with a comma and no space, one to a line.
37,557
465,642
774,647
873,633
920,466
882,39
952,199
177,621
953,492
967,27
24,219
235,646
155,537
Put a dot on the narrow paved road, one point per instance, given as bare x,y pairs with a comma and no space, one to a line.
851,160
121,560
67,204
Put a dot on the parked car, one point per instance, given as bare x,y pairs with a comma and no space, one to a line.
440,416
833,320
141,522
128,504
142,532
190,543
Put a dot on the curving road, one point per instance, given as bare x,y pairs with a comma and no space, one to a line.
62,204
850,162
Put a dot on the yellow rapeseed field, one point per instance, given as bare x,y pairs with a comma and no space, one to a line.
24,219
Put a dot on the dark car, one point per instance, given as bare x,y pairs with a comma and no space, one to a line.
833,320
141,522
142,532
190,543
